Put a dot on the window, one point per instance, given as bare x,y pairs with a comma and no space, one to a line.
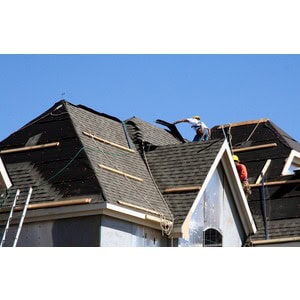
212,238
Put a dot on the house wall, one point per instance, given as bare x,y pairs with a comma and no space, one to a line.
76,232
216,209
89,231
120,233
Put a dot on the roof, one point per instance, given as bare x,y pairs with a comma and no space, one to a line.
91,154
255,143
182,165
183,171
149,133
71,151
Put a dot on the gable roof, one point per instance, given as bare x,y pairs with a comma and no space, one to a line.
182,165
261,145
183,171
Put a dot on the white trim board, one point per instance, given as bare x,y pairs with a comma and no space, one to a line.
5,182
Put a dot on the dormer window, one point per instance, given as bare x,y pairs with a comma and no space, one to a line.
292,163
212,238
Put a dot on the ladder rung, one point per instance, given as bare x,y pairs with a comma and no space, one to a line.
21,220
10,217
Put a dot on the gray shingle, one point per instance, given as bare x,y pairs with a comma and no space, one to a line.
179,166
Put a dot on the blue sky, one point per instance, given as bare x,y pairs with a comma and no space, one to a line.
220,88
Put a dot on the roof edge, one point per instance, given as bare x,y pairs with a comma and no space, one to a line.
262,120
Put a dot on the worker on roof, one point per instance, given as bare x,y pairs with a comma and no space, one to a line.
202,131
243,174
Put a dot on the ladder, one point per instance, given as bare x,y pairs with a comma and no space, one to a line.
21,220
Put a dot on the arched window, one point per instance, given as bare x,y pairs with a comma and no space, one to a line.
212,238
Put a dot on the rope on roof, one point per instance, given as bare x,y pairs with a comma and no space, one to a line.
261,120
227,136
166,225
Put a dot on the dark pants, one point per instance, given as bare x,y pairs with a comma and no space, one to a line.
201,137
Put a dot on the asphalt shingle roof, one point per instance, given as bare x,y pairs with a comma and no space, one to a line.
149,133
72,169
182,166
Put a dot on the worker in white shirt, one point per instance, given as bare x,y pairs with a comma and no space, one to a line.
202,131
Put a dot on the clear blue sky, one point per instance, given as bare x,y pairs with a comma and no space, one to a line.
220,88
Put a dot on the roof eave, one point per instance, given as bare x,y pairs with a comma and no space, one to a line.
89,209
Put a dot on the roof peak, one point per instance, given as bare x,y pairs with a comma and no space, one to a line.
262,120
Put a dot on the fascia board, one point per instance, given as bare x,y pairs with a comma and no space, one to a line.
238,192
46,214
211,171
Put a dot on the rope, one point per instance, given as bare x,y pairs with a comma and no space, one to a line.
166,229
253,130
163,223
229,137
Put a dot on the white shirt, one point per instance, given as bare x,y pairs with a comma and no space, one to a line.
196,123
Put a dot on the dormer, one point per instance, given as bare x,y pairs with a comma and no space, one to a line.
292,163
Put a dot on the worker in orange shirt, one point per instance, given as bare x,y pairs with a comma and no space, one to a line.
243,174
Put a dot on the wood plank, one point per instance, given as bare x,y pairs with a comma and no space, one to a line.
264,146
50,204
29,148
182,189
243,123
139,207
295,181
120,172
99,139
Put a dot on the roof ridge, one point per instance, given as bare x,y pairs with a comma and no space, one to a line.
262,120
